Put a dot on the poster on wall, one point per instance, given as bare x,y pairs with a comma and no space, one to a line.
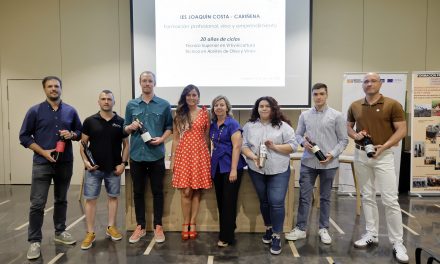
393,86
425,133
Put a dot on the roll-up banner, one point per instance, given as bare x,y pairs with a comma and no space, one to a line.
393,86
425,133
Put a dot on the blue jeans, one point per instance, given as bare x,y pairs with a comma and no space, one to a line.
271,191
93,180
42,175
307,182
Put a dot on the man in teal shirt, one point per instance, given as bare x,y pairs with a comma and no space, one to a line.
147,158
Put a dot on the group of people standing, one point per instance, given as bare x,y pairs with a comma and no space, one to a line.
210,148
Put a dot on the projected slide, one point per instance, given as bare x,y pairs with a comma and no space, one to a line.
243,49
220,43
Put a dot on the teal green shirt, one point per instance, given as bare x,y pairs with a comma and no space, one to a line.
156,116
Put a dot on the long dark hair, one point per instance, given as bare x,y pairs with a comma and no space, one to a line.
183,118
276,116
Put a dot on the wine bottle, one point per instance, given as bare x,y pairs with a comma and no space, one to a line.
368,146
145,135
59,148
262,157
316,150
88,154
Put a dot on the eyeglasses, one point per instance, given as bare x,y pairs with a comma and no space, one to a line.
371,81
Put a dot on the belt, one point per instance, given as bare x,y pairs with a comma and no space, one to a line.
360,147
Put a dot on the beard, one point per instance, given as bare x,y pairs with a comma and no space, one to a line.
53,98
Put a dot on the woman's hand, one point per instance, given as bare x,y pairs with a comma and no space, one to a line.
233,176
270,145
172,164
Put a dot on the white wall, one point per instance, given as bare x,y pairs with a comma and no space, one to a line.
87,43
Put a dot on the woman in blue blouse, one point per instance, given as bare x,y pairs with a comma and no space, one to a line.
226,166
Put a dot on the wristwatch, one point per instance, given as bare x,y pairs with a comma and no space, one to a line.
125,163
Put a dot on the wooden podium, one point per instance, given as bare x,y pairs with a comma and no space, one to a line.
248,209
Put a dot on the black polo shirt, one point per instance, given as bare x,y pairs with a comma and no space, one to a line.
105,139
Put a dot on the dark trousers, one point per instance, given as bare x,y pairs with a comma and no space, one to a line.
42,175
227,194
140,171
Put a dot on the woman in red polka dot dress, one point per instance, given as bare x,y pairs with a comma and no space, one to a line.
190,160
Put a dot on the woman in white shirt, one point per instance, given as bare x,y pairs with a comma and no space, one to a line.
268,140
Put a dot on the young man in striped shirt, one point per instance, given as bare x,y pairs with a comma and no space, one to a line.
324,127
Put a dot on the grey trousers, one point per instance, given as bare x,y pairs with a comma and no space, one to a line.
307,182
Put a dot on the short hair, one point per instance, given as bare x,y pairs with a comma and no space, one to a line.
148,72
317,86
105,91
48,78
228,105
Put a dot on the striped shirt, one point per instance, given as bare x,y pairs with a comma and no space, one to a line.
256,133
326,128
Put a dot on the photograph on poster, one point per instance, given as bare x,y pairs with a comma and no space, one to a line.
431,133
433,181
422,110
437,166
430,160
435,108
419,149
419,182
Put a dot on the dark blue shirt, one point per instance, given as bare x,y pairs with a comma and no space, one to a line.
222,146
42,124
156,117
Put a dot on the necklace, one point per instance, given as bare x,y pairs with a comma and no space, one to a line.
218,138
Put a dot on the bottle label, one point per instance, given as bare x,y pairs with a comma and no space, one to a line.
263,156
146,137
315,149
370,149
61,145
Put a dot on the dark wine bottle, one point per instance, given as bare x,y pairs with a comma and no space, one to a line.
59,148
368,146
145,135
316,150
88,154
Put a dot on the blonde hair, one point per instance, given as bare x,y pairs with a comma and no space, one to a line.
228,105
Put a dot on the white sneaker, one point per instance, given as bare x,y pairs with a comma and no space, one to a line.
399,251
367,240
325,236
296,234
34,251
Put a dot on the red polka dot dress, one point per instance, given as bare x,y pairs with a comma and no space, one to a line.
192,164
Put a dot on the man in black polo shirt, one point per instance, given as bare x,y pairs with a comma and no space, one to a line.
106,135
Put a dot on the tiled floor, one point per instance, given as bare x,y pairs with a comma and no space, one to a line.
248,249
